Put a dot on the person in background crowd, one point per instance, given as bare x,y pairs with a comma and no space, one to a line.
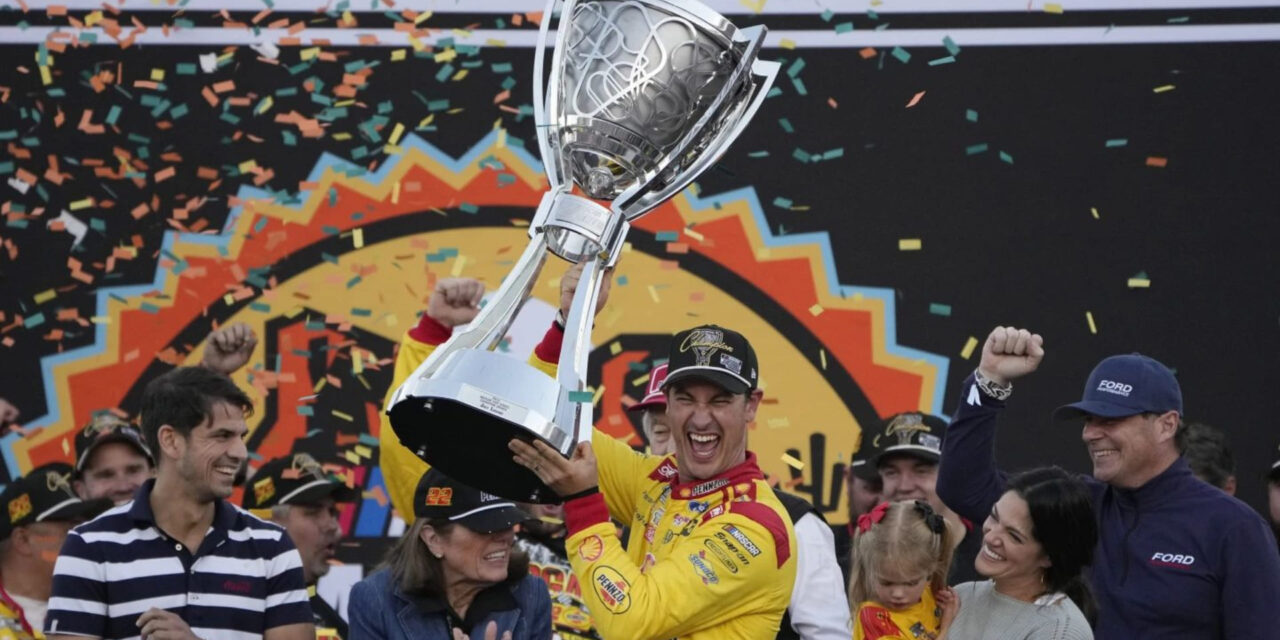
710,549
179,560
1273,494
1037,543
908,450
40,508
112,459
542,539
818,603
1207,452
862,483
897,587
653,419
455,571
455,302
299,496
1175,556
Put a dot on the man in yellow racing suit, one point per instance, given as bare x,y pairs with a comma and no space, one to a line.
711,549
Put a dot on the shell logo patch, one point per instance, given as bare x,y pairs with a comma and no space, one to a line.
591,549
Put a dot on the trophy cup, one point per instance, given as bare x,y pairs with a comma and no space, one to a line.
643,96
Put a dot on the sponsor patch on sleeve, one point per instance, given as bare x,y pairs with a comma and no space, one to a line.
702,568
612,589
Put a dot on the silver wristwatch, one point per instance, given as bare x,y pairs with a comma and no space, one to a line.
991,387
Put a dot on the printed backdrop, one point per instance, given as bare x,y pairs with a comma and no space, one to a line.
1102,173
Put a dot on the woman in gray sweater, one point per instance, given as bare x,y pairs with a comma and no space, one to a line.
1036,543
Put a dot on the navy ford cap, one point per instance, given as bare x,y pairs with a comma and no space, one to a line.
1122,386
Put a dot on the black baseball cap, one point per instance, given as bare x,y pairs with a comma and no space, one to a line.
1122,386
294,479
107,427
713,353
440,497
862,463
918,435
45,495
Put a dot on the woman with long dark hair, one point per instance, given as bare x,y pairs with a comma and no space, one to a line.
1036,545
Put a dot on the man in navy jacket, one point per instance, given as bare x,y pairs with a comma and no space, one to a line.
1176,557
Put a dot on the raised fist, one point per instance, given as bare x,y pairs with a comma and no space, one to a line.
569,286
1010,353
229,348
455,301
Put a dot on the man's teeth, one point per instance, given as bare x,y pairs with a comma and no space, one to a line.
986,551
231,471
496,555
1102,453
703,438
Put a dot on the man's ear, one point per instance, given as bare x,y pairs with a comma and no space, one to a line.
1167,425
753,402
78,487
172,442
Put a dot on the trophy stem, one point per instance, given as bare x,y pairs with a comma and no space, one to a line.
572,372
491,324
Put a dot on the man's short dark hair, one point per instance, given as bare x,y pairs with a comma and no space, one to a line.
184,399
1206,451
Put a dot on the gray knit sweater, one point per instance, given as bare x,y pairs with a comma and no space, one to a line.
989,615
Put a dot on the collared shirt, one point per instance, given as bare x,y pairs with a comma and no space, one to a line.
13,622
245,578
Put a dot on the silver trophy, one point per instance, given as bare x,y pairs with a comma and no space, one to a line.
644,96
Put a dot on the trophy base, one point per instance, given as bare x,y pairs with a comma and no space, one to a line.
462,420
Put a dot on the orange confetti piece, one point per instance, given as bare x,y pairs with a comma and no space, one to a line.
915,100
1157,161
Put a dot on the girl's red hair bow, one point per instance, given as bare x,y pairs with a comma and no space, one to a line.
876,515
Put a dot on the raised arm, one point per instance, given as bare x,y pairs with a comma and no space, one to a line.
968,480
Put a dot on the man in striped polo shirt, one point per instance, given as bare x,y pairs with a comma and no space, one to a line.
179,561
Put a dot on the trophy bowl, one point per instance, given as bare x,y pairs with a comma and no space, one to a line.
642,97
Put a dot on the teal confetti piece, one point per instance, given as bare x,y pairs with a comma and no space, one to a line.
260,306
508,82
113,114
828,15
782,202
882,27
98,224
444,73
363,313
185,68
786,125
871,13
259,224
795,68
975,149
329,257
939,309
774,92
149,308
179,110
901,54
799,85
34,320
580,396
301,353
1179,20
943,60
833,153
314,325
467,207
970,115
844,27
801,155
368,440
501,67
306,410
1006,157
1117,142
952,47
333,196
438,105
753,154
355,280
622,281
667,236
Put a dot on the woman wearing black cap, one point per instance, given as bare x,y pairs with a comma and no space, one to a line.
454,574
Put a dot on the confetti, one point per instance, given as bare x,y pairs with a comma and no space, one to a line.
793,462
1053,7
915,100
939,309
969,346
909,244
816,310
1157,161
1093,328
1163,88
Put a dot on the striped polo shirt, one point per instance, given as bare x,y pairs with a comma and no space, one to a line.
245,578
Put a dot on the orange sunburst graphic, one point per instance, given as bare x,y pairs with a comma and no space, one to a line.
360,253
